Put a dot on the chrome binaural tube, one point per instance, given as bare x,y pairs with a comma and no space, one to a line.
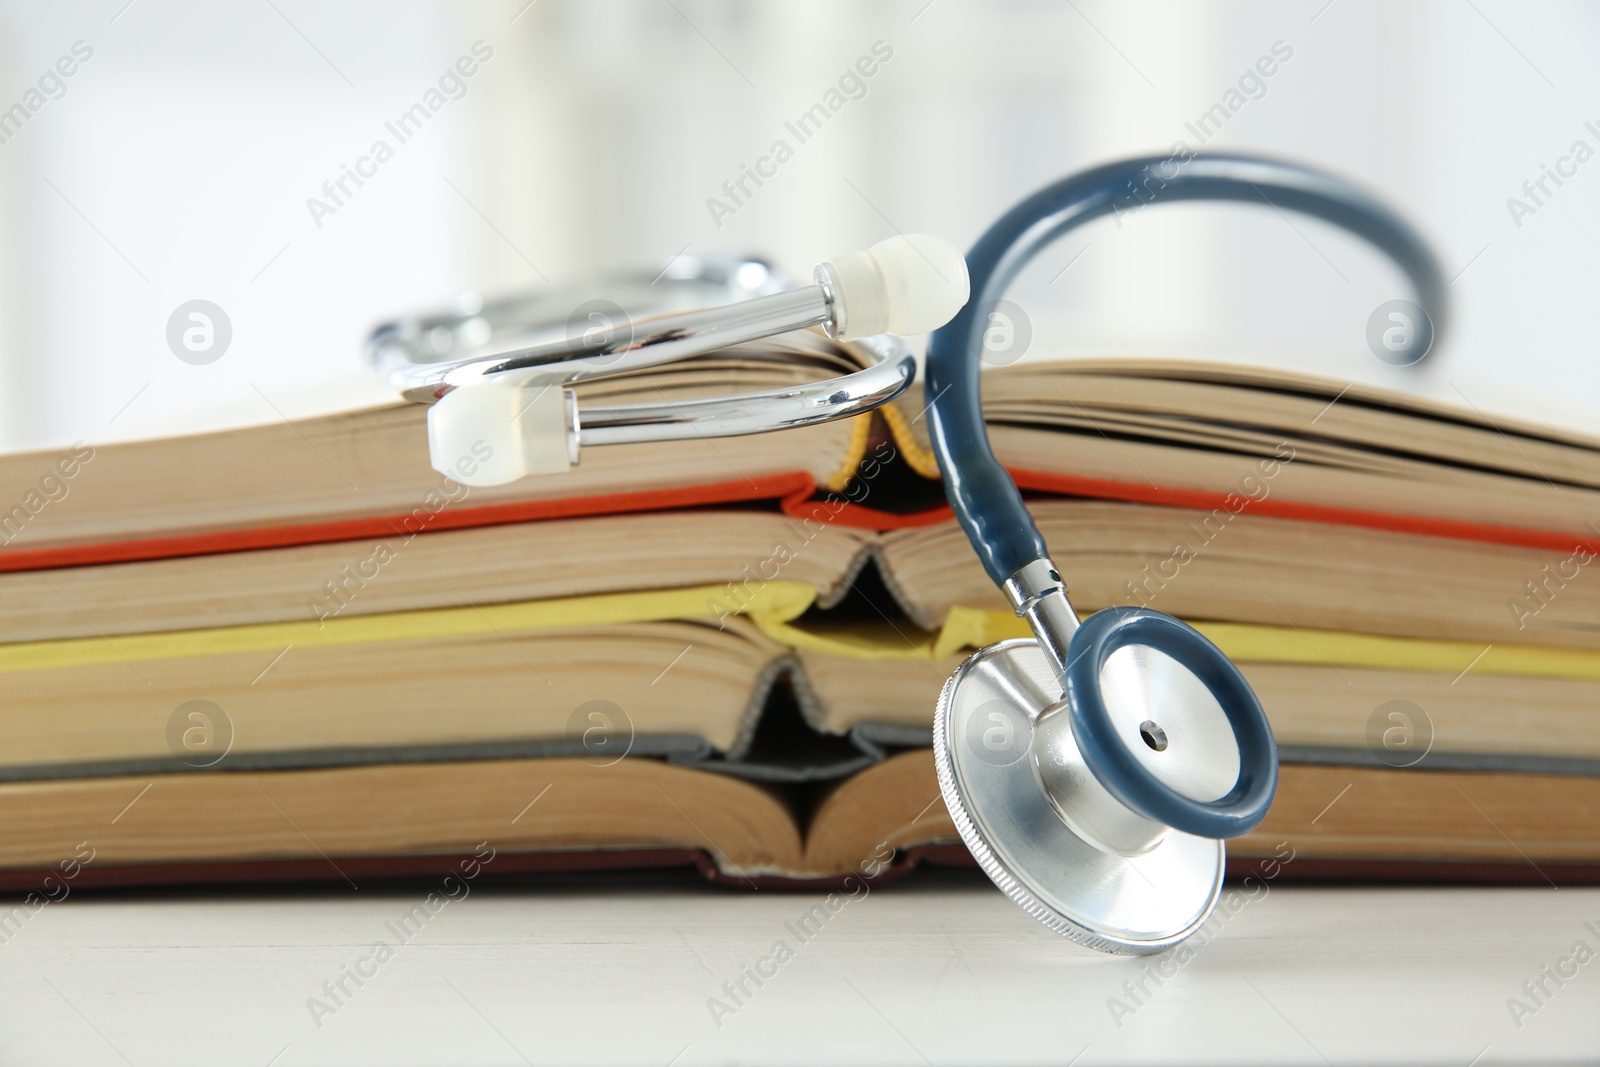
759,412
629,345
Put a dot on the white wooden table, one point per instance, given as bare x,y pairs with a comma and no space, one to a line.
939,970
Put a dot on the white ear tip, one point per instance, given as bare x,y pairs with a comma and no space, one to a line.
491,433
909,284
926,279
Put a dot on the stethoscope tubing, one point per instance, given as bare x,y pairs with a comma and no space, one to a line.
983,496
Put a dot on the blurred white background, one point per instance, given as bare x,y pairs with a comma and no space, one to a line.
178,162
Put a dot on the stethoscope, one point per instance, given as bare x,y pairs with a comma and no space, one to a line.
1094,770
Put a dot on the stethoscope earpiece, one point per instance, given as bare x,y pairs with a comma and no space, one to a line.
502,415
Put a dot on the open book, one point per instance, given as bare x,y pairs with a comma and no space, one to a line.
751,621
347,823
1191,435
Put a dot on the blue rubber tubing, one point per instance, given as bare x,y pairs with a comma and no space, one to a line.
982,494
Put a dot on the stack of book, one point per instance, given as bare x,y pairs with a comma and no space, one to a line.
294,651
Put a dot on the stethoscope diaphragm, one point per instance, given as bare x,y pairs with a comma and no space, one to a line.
1068,802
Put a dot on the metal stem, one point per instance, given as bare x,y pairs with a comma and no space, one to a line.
1039,595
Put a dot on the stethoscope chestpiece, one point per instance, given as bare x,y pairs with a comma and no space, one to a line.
1101,810
1095,770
